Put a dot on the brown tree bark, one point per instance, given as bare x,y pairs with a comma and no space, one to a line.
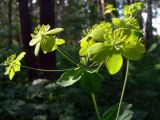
30,59
100,7
10,22
149,31
47,16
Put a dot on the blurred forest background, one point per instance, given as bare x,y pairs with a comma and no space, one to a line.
34,95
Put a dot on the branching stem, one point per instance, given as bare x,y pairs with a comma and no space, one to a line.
66,56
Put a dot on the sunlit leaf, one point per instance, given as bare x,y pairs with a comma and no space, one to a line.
59,41
133,50
54,31
85,44
109,9
99,52
98,34
47,43
11,74
133,9
117,22
17,66
70,77
37,48
45,39
114,63
12,64
35,41
20,56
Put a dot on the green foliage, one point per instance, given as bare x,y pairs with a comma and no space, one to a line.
109,9
114,63
89,81
12,64
107,40
126,112
70,77
105,43
46,39
115,41
133,9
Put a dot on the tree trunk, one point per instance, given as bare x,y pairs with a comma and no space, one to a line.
10,22
100,7
26,31
47,16
149,32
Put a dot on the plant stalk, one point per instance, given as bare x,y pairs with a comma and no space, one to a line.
123,90
43,70
96,106
66,56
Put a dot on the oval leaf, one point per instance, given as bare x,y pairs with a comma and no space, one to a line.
114,63
54,31
37,48
60,41
98,34
133,51
47,43
99,52
70,77
20,56
35,41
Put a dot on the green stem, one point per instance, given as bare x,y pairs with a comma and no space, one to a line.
95,106
44,70
66,56
123,90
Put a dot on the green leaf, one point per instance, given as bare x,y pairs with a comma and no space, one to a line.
54,31
59,41
12,64
35,41
70,77
125,113
37,48
130,23
99,52
116,22
91,82
98,34
109,9
85,44
114,63
43,37
133,50
20,56
17,66
47,43
133,9
11,74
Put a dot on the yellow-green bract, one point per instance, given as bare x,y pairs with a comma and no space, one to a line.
12,64
107,42
45,39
